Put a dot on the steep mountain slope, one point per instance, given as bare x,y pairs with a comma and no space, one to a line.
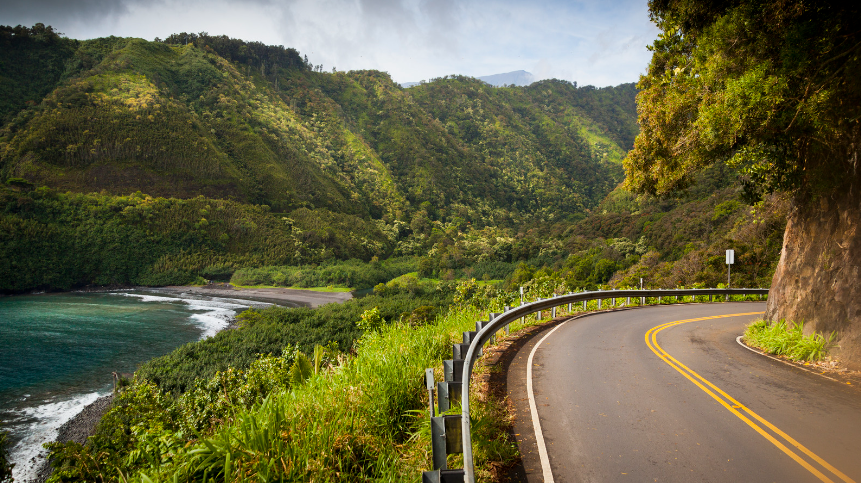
213,116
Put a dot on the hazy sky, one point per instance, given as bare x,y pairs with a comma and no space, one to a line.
591,42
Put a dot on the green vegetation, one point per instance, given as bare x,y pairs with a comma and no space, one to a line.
5,466
348,164
351,273
32,62
306,411
780,101
54,240
788,340
270,330
220,117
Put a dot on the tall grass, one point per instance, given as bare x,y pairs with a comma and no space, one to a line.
787,340
365,420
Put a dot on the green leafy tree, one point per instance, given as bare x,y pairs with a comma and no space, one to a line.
774,90
371,320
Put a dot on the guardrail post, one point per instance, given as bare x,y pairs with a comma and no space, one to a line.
443,476
449,394
507,308
452,370
446,439
429,382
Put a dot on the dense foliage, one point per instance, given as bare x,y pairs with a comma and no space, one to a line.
771,87
55,240
349,274
200,114
320,414
32,62
271,330
349,164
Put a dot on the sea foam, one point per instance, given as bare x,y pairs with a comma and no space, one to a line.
38,425
216,311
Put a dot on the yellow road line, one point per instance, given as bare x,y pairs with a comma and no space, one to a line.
733,405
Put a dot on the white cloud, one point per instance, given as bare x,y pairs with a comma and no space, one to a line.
588,42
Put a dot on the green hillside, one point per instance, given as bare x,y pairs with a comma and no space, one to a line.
228,119
339,164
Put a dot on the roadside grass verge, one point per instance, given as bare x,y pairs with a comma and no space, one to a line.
781,339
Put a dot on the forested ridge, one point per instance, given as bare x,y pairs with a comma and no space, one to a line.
348,164
130,162
225,118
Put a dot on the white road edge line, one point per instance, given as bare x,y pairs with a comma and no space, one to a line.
738,339
536,424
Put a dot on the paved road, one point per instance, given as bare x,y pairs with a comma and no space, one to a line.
689,404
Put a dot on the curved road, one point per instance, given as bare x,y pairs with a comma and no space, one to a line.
632,396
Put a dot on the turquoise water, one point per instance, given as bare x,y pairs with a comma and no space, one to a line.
57,353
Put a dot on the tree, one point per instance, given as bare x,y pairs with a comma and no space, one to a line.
774,90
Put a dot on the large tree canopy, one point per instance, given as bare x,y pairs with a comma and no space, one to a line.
771,87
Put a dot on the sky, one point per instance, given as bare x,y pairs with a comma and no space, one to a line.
593,42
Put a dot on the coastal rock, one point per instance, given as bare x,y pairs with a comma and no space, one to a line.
78,429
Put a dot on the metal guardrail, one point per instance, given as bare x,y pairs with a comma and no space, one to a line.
487,330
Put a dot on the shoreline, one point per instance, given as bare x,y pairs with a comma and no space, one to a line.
278,296
83,424
78,429
288,297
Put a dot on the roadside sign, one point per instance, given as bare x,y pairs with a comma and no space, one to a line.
730,257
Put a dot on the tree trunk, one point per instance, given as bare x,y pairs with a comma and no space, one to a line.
818,278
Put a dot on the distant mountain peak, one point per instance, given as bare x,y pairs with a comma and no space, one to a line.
517,78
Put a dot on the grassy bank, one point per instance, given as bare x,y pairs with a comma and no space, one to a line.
323,413
788,340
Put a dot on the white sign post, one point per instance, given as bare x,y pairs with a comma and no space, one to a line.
730,260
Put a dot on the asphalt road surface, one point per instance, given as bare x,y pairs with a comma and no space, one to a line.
668,394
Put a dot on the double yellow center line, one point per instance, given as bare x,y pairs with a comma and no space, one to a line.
755,421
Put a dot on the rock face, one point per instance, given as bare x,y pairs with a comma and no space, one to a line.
818,278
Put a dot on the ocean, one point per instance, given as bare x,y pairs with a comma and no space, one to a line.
58,353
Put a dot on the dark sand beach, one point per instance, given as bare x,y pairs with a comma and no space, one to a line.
279,296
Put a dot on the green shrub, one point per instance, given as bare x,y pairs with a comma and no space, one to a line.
787,340
5,465
350,273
